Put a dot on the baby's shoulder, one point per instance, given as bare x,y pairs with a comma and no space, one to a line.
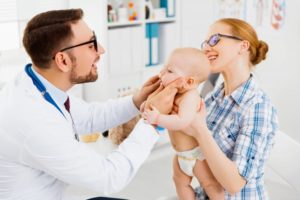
190,94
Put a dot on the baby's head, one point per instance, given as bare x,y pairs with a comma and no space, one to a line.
189,63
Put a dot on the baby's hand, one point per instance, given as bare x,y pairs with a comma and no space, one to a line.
151,116
142,107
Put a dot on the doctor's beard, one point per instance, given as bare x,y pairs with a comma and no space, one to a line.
74,78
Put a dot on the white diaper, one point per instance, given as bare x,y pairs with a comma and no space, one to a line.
187,160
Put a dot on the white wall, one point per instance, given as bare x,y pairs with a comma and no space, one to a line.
278,75
12,61
95,16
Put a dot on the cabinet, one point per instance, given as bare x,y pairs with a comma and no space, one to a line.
137,49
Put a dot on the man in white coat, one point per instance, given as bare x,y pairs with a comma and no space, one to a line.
39,124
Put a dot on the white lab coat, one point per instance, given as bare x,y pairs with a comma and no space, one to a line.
39,155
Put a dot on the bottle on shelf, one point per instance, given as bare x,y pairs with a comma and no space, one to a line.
132,13
122,13
148,9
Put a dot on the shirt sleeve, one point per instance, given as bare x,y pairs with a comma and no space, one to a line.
51,149
98,117
255,139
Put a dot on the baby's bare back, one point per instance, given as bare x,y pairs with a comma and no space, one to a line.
181,141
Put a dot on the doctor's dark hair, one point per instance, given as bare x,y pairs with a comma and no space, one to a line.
239,28
47,33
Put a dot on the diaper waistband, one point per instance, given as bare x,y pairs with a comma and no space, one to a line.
192,154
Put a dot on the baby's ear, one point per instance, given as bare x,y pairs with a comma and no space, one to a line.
190,80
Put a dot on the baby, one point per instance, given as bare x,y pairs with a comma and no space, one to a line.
193,66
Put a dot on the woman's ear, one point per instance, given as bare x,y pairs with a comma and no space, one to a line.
63,61
244,46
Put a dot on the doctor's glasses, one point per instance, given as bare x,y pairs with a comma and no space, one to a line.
93,40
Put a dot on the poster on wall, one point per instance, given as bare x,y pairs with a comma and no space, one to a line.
231,8
259,13
278,13
261,6
263,13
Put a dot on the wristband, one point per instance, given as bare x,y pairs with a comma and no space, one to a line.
159,128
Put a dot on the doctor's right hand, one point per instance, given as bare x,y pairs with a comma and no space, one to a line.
163,98
147,89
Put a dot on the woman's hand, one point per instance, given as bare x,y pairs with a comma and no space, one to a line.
199,123
149,87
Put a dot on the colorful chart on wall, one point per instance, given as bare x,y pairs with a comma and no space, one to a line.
231,8
263,13
278,13
259,13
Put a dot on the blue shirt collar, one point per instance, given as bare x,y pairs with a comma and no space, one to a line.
240,95
58,95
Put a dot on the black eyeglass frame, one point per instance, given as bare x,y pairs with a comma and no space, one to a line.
94,41
219,35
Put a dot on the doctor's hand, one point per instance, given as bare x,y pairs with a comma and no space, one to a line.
163,98
149,87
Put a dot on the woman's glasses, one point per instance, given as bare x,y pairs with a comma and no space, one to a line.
214,39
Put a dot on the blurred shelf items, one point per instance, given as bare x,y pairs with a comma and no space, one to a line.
138,35
141,34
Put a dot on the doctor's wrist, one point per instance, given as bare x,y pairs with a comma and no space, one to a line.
157,128
137,101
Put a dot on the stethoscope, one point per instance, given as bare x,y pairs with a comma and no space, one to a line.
39,85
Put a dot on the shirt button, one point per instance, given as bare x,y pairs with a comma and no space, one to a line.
229,136
213,123
253,158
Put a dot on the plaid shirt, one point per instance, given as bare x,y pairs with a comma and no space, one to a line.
243,125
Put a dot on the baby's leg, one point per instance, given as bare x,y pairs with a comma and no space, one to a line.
212,187
182,182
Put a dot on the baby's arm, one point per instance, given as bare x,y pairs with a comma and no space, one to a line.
187,108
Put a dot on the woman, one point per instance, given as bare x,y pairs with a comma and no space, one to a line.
236,129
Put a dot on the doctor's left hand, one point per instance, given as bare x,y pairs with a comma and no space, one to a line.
150,86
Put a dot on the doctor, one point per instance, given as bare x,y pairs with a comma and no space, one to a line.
39,124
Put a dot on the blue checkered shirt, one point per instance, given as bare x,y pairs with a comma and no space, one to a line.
243,124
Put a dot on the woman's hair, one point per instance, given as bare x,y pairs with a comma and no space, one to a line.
48,32
258,48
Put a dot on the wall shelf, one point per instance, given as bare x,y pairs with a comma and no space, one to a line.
124,24
164,20
139,22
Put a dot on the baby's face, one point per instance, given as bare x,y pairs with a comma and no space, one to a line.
169,74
